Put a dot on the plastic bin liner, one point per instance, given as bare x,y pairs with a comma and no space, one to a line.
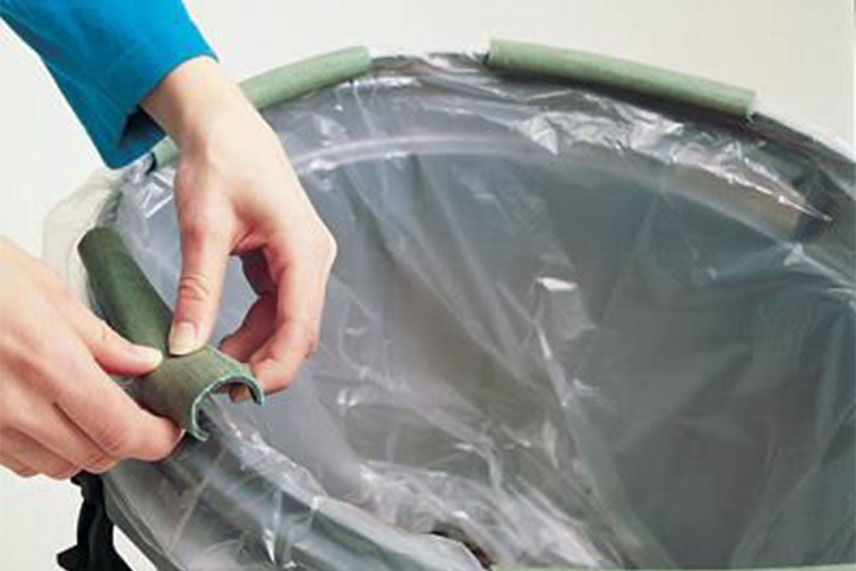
565,328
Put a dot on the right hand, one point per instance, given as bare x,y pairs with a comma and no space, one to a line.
237,194
59,410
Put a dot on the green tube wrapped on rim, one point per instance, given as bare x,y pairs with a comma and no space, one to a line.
290,81
534,59
130,304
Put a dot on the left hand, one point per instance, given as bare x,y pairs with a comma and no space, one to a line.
59,410
236,193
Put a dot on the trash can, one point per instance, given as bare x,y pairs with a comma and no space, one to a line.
585,314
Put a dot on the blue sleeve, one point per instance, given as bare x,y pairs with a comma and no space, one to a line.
106,56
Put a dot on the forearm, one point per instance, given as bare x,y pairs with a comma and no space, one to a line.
106,56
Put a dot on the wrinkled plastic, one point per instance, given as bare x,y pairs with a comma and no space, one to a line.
567,328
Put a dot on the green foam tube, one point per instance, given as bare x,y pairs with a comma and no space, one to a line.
290,81
532,59
132,307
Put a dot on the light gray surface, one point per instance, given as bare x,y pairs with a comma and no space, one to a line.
797,53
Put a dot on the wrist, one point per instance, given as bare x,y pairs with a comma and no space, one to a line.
193,99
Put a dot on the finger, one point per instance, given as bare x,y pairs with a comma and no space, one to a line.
114,353
32,454
109,417
298,317
204,255
257,327
57,433
20,468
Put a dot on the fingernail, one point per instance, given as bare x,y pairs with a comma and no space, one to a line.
149,355
182,338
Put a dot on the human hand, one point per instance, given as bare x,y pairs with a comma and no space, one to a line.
236,193
59,410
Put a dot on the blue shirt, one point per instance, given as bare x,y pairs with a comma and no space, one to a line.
106,56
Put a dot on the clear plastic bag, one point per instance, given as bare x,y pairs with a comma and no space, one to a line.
564,327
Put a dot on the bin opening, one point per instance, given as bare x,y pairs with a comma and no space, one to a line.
564,329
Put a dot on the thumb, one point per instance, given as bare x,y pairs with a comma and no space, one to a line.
204,254
115,354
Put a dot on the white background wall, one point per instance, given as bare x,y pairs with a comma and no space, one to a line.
798,55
